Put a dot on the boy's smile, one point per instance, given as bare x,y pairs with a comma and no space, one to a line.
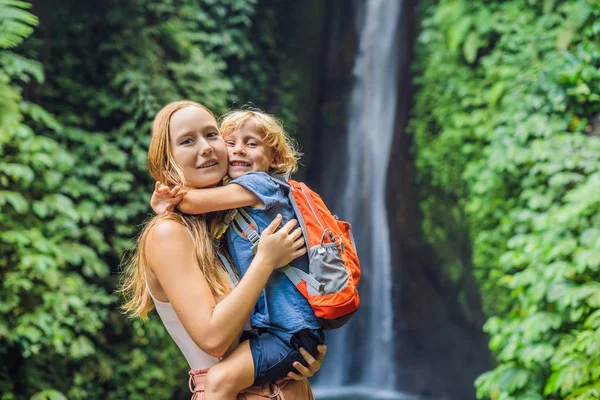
247,152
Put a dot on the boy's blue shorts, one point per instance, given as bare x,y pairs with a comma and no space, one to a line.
274,351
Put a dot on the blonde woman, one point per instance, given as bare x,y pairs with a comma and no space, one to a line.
176,268
283,320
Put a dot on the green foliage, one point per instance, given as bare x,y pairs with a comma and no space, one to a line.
501,127
76,104
16,23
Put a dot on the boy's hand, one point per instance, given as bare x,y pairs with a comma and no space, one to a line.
165,200
278,249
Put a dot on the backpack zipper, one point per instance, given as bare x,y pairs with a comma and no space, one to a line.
312,208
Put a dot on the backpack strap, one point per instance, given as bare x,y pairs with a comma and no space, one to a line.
228,268
280,180
296,275
245,226
229,217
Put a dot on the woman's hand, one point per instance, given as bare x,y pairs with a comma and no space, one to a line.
165,200
314,364
278,249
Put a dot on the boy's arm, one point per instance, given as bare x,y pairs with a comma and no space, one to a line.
200,201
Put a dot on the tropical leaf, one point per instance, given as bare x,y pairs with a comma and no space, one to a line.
16,23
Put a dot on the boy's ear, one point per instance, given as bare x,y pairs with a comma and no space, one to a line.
275,161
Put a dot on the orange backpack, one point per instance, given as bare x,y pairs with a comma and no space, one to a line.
334,270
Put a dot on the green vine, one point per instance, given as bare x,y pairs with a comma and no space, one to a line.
76,103
505,151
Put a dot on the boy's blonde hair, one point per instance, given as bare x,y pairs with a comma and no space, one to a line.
286,154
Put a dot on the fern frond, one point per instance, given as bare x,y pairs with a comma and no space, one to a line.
16,23
10,115
21,68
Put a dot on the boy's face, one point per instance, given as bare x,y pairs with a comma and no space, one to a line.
247,152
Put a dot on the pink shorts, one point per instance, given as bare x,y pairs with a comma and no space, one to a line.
284,389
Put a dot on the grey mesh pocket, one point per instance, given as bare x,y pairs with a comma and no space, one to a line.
327,267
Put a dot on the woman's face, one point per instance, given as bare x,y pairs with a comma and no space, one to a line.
198,147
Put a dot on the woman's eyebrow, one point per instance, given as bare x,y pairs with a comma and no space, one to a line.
208,128
185,132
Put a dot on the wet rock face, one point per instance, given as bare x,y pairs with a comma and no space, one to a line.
340,43
440,348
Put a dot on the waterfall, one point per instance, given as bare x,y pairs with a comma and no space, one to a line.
362,353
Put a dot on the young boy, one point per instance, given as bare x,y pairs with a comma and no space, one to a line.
282,320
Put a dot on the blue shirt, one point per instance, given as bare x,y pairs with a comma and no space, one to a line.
280,305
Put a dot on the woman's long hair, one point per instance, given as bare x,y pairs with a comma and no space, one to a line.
163,168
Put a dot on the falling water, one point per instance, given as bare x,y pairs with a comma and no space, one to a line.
361,354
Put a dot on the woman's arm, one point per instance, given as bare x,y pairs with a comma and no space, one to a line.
200,201
213,327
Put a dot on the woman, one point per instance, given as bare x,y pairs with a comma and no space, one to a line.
176,267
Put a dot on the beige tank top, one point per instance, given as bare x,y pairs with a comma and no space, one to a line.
195,357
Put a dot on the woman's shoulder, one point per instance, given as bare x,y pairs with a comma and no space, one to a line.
166,229
167,243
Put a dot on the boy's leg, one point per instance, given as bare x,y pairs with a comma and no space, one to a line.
232,375
278,350
308,339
